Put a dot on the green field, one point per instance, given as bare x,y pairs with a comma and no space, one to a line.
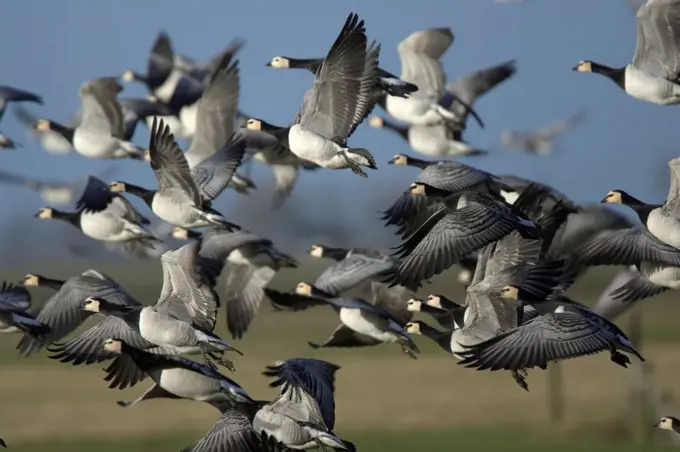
385,401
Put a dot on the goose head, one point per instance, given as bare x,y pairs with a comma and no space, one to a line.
583,66
414,327
435,301
44,125
31,280
180,233
45,213
377,122
414,305
304,288
128,76
510,292
668,423
113,345
254,124
615,197
279,62
398,159
316,251
117,187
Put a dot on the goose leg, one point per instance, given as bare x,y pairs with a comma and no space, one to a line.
154,392
218,358
356,169
520,378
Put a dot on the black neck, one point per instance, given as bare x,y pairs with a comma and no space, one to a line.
417,163
64,131
443,338
277,131
54,284
399,129
316,292
617,75
336,254
640,207
70,217
311,64
145,194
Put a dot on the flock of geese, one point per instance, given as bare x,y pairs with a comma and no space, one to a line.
518,244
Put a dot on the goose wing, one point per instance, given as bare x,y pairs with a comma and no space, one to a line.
313,376
244,294
217,244
213,174
629,246
159,63
100,108
169,164
96,197
658,40
331,107
673,197
185,294
14,298
351,271
419,54
87,347
9,94
232,432
551,337
216,112
472,86
63,312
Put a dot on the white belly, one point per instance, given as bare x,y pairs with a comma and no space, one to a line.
661,275
414,110
187,117
176,214
647,87
100,226
94,144
365,323
665,228
189,385
311,146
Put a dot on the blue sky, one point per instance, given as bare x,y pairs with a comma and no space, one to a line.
52,47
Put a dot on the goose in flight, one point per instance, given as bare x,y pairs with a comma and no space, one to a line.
343,94
652,75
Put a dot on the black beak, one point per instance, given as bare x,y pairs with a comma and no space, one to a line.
269,64
657,425
575,68
36,215
391,162
604,200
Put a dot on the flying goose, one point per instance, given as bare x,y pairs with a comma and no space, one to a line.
250,263
440,140
178,199
158,69
419,54
33,280
173,377
14,303
668,423
51,192
270,146
540,141
103,215
62,313
652,74
184,316
363,323
552,337
443,317
341,97
303,415
9,94
386,81
410,210
462,224
8,143
435,140
662,220
234,432
101,132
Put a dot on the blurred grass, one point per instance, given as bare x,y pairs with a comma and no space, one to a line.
385,401
477,439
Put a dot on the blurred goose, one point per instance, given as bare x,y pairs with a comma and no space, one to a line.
136,110
419,54
386,81
178,199
410,210
250,263
552,337
540,141
62,313
668,423
303,415
103,215
101,132
440,140
462,224
14,318
443,317
9,94
174,377
8,143
55,138
270,146
342,96
653,73
363,323
50,192
159,67
33,280
184,316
